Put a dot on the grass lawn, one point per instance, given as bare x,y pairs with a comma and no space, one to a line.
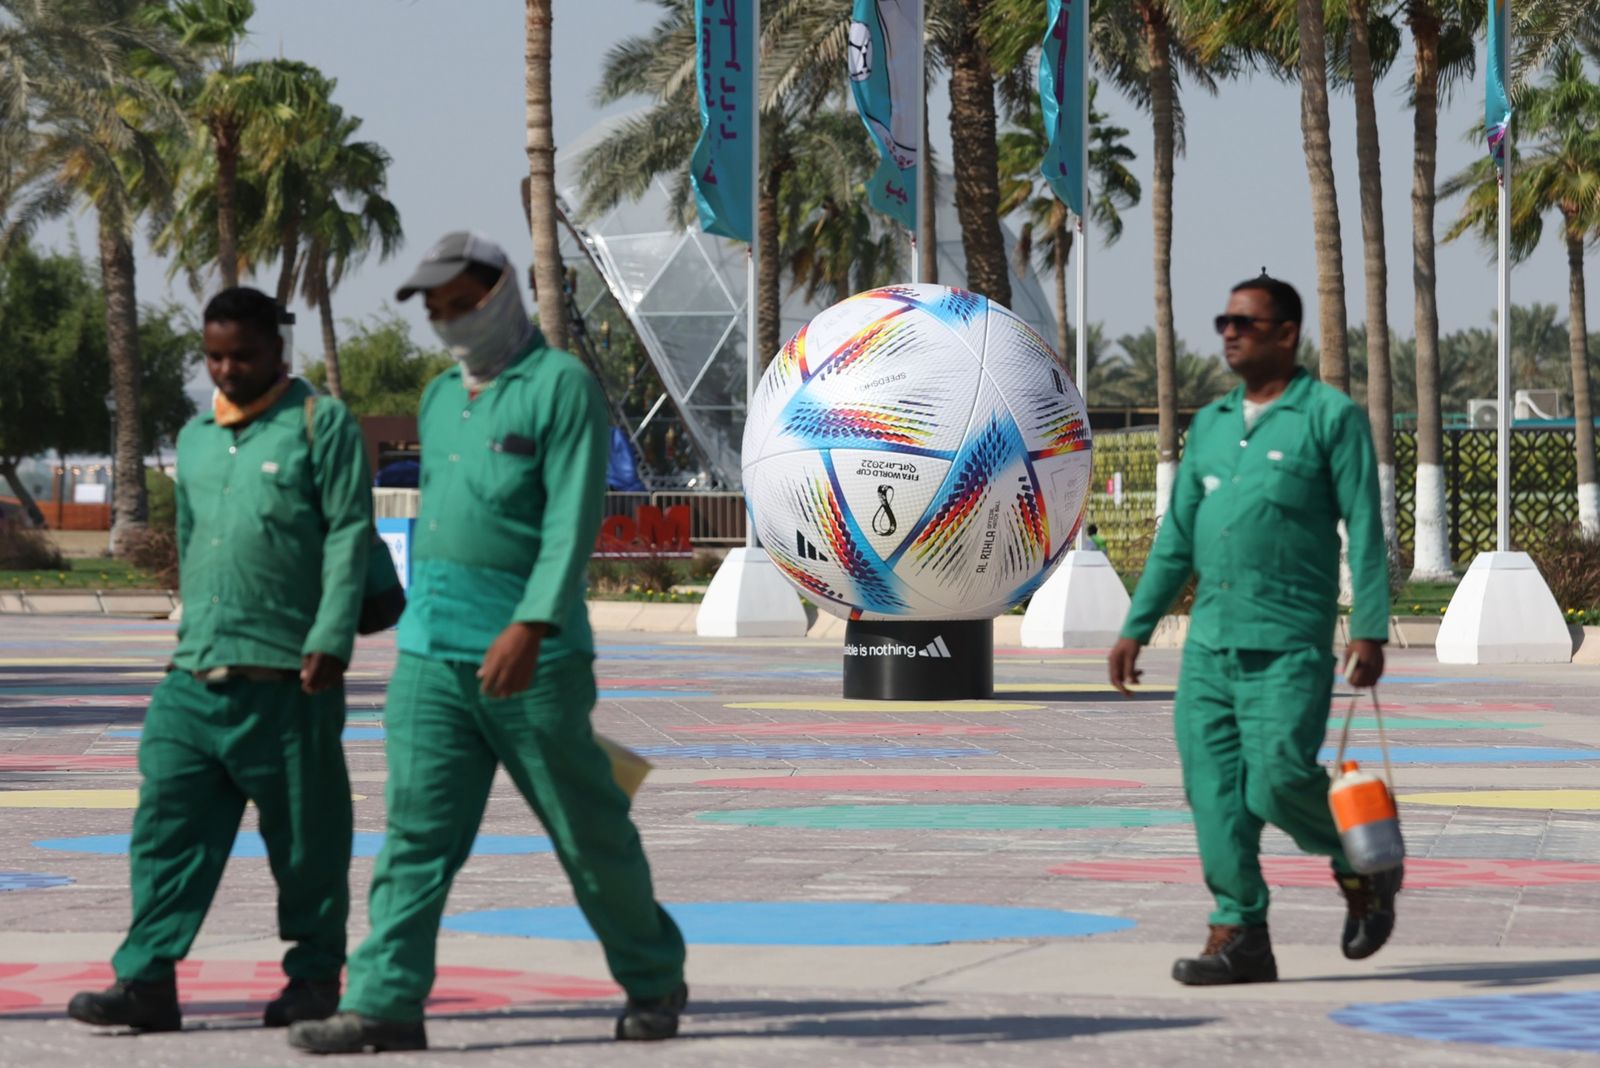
93,573
1414,599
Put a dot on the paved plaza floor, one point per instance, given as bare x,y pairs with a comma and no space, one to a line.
994,883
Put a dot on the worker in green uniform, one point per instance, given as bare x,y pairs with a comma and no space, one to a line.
1268,473
274,522
495,663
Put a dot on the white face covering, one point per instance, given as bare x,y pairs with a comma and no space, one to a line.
486,339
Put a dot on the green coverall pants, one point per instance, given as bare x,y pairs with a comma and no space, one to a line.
1249,724
206,749
444,741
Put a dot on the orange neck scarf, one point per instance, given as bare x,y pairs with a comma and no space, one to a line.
230,414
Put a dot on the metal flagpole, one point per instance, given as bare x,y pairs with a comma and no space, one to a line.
1503,371
752,358
1081,371
922,148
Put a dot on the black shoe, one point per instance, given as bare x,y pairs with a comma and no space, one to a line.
652,1019
144,1005
1369,916
1232,955
349,1032
302,999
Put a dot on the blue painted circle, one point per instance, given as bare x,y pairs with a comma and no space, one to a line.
808,752
30,880
1531,1021
811,923
249,844
1463,754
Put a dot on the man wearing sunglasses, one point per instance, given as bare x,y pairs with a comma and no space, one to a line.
1268,473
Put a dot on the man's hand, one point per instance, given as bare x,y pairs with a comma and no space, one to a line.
509,664
1363,665
319,671
1123,663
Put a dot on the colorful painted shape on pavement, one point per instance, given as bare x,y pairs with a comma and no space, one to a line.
811,923
67,762
1458,708
651,695
228,988
946,817
1535,800
1411,723
918,784
1569,1021
249,844
351,734
1422,873
887,729
806,752
1465,754
82,799
31,880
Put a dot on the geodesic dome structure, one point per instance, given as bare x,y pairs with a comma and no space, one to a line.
683,292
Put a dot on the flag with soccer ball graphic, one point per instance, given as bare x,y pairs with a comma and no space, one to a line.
885,37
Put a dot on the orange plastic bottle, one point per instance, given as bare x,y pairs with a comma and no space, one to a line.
1369,825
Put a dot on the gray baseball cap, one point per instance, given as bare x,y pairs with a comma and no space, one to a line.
451,255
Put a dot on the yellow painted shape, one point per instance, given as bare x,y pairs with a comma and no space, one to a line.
885,706
1543,800
81,798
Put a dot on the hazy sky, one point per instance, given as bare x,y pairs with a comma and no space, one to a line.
440,85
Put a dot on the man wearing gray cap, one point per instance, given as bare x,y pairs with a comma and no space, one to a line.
495,663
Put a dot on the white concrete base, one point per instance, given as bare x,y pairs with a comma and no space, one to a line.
1503,613
1081,606
749,598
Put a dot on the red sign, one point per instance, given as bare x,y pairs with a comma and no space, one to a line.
649,532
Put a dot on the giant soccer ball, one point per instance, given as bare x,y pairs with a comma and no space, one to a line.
916,452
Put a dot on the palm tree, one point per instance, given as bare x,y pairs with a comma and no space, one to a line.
338,238
1442,34
73,75
1131,375
1555,167
548,275
232,102
974,151
1022,188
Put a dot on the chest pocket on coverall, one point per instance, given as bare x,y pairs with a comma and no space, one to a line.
507,479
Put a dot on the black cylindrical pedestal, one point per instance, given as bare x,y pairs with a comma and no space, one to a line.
918,660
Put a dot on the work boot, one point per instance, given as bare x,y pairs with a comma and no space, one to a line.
652,1019
302,999
1233,954
144,1005
349,1032
1369,910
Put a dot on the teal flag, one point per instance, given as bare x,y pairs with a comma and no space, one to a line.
1497,102
1063,79
721,169
885,39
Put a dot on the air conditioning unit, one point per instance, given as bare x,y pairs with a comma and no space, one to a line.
1483,414
1538,404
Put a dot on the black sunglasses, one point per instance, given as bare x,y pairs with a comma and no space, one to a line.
1241,323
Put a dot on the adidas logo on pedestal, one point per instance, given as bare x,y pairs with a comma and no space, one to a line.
936,649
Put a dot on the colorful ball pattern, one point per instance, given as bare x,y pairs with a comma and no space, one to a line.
916,452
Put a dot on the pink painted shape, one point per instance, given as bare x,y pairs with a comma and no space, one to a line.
1466,707
1421,873
66,762
241,987
807,730
921,784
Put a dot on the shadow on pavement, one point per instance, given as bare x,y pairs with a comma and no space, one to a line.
1509,973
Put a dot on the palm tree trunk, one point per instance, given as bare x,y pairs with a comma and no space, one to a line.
129,504
1432,550
1063,243
289,251
1379,384
769,293
972,137
1163,105
928,178
30,507
330,339
1314,122
549,278
1582,400
227,145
